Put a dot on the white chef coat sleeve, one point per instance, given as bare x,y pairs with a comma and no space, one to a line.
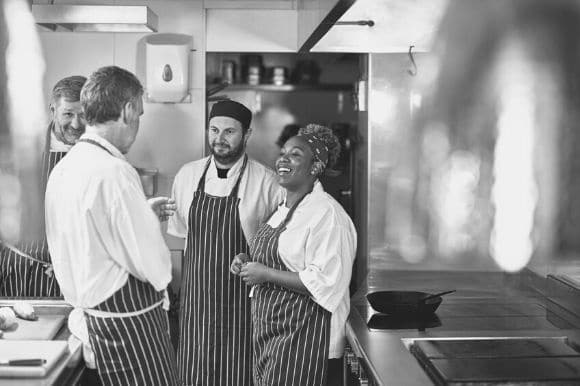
177,224
329,254
143,251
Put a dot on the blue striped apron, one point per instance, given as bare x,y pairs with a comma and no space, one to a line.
129,334
215,346
291,332
21,277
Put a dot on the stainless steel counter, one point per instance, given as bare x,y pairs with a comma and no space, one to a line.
485,305
69,368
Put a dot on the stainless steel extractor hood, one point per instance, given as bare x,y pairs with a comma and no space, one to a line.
95,18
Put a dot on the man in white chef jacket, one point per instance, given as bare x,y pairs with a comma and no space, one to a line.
25,269
109,255
221,200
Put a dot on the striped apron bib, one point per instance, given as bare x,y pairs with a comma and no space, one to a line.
215,344
291,332
12,274
21,277
129,334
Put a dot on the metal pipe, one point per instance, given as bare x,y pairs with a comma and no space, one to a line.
369,23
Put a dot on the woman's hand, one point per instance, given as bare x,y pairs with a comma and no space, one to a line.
239,260
254,273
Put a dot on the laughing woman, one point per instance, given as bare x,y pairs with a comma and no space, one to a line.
301,264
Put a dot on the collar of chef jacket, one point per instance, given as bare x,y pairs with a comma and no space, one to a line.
232,172
106,144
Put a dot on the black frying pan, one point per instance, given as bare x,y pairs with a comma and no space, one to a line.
404,302
380,321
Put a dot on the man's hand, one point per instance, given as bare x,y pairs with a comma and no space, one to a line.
164,207
254,273
239,260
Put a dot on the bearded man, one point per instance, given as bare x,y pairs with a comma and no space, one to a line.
221,200
25,269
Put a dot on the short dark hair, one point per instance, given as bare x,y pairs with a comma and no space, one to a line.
289,131
107,92
68,88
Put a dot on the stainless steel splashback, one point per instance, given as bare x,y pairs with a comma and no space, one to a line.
400,223
487,182
429,188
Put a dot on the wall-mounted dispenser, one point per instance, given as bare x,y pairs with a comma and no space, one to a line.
167,68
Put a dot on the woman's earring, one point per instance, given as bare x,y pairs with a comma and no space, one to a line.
315,169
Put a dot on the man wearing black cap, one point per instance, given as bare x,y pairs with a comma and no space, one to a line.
221,200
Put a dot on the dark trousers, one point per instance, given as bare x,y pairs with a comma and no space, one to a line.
335,370
90,378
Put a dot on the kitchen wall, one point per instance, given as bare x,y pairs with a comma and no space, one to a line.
251,30
170,134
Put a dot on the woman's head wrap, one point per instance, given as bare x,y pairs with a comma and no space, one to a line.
318,146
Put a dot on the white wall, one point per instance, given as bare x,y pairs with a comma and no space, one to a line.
170,134
251,30
398,25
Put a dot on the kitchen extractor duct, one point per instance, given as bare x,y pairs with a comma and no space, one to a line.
95,18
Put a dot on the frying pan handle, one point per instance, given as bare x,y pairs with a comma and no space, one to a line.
436,295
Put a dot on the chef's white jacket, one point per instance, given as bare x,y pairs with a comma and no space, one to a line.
55,144
320,244
100,227
259,193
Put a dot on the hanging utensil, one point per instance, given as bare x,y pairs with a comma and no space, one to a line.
413,71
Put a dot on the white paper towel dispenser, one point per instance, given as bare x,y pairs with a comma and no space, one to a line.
167,68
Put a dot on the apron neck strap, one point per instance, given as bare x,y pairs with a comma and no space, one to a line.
93,142
47,143
201,182
292,210
46,156
234,192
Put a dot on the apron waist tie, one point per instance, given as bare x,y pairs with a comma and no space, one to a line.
107,314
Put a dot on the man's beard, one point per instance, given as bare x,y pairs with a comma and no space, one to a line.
231,156
67,134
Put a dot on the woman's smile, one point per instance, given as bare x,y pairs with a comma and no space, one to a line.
283,169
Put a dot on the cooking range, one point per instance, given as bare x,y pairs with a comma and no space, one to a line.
468,315
505,361
484,360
